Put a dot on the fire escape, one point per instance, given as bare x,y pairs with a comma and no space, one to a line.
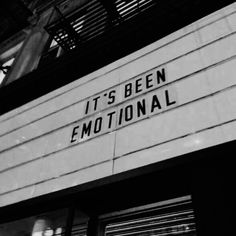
102,31
97,22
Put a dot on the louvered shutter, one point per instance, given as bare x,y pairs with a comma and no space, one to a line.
173,218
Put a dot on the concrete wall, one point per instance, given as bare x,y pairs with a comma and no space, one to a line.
36,156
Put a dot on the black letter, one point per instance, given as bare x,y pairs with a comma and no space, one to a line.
128,90
95,102
161,76
168,103
112,97
87,107
86,129
98,125
74,133
110,118
141,108
138,85
155,103
148,80
120,116
129,114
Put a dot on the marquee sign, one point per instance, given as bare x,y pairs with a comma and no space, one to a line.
124,104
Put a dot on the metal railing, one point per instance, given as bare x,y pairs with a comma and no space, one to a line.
93,19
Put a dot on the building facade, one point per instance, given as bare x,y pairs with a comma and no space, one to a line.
118,118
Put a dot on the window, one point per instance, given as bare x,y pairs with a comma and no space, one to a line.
4,68
51,52
48,224
55,48
6,60
54,223
166,218
80,224
171,217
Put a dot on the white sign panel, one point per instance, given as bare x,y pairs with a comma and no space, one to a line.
127,103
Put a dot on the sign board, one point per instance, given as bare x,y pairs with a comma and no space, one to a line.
139,98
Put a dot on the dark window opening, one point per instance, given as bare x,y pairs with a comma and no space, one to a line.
60,222
52,51
171,217
7,58
49,223
4,69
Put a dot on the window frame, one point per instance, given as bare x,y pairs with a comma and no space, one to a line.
9,54
144,210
